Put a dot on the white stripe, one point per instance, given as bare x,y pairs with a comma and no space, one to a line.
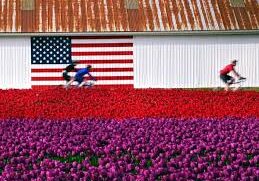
106,15
100,82
103,57
145,14
202,16
14,17
173,16
159,15
82,41
221,24
186,17
54,19
41,20
214,16
151,2
102,49
193,15
95,74
125,65
92,12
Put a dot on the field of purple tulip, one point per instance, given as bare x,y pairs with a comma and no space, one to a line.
133,149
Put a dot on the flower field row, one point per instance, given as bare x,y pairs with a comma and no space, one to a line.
147,149
127,103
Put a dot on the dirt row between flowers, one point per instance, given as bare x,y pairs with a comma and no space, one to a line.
127,103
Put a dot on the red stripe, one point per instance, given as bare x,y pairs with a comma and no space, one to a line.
105,61
96,86
121,61
87,78
102,45
92,70
112,70
101,37
102,53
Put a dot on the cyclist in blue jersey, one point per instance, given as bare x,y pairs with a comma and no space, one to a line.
79,77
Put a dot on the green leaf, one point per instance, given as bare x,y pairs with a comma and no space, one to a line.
6,160
250,156
134,172
148,163
94,160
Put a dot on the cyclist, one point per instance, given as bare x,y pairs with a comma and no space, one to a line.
69,68
226,78
79,77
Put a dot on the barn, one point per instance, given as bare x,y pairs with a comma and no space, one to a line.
133,43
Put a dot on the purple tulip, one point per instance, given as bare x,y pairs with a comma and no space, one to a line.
131,149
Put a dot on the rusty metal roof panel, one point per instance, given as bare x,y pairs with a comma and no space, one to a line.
112,16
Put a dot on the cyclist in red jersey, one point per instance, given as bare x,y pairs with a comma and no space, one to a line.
227,79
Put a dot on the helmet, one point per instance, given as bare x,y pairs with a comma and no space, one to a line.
234,62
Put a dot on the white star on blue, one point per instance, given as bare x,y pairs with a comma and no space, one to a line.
50,50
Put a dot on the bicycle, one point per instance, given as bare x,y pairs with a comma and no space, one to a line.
89,84
236,85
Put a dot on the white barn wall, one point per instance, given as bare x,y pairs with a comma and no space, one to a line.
15,59
159,61
192,61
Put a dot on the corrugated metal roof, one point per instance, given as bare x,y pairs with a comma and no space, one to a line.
111,16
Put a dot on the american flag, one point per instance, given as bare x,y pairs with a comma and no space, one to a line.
111,58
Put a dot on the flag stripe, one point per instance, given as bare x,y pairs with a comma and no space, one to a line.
58,74
114,61
92,70
100,82
105,61
102,45
109,86
86,78
102,53
104,57
102,37
62,66
95,41
102,49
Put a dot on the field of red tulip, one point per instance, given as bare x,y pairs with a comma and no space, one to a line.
129,134
127,103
